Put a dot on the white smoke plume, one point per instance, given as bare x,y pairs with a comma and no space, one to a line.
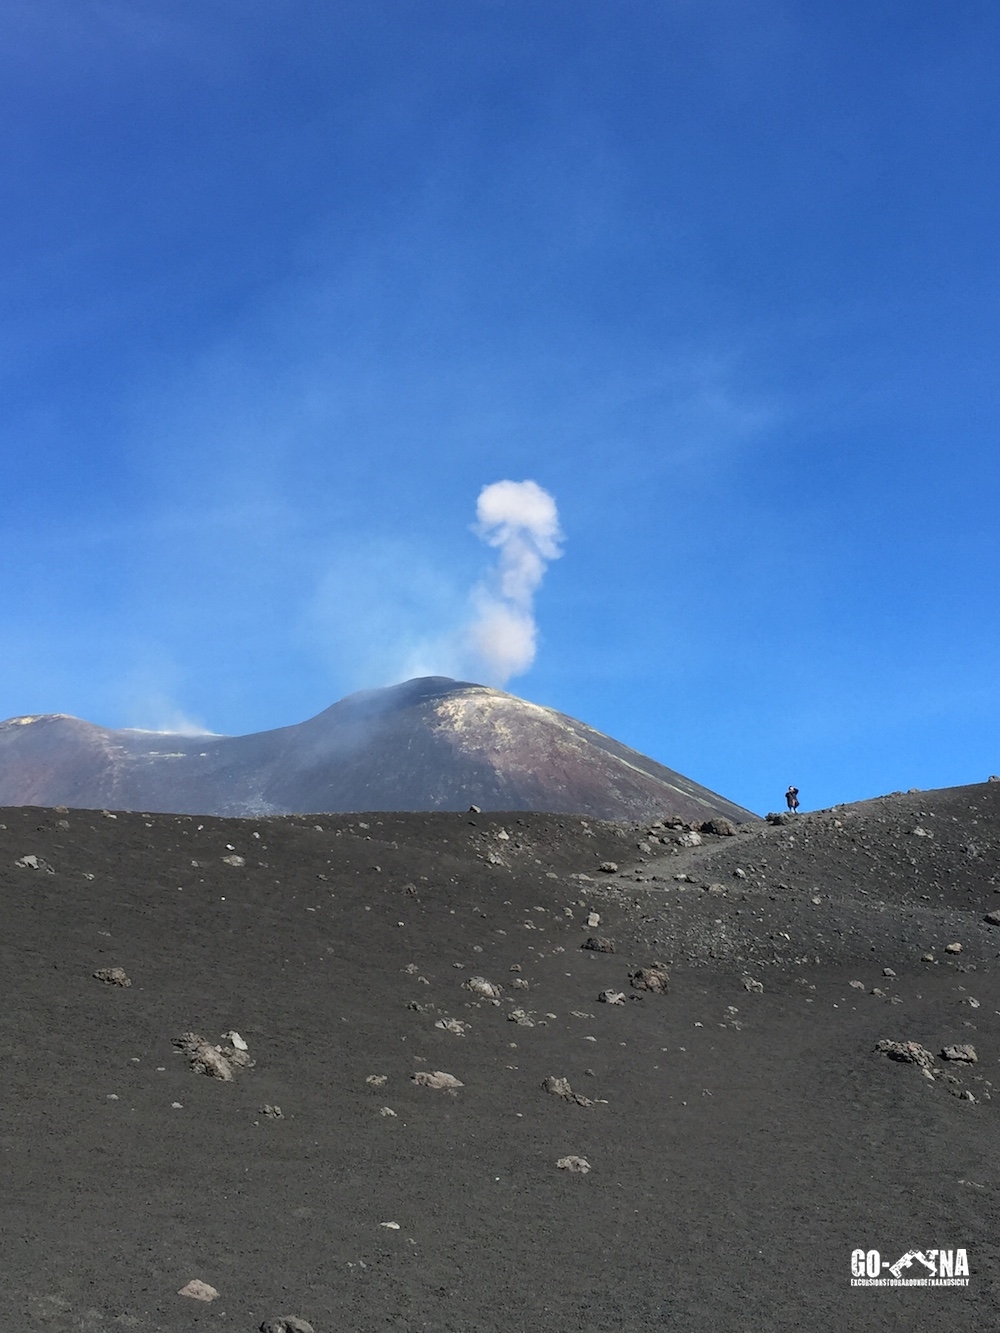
521,521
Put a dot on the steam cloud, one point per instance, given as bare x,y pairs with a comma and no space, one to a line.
521,521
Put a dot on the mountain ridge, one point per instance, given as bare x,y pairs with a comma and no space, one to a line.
431,743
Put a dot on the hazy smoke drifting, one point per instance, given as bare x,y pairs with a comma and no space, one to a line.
520,519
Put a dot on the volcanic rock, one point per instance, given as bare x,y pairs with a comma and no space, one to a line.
199,1291
560,1087
962,1054
598,944
486,990
113,976
579,1165
437,1079
653,979
722,827
215,1061
908,1052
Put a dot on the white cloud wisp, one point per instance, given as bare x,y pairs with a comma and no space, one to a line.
519,519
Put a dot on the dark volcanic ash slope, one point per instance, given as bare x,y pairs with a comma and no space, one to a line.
743,1134
891,881
429,744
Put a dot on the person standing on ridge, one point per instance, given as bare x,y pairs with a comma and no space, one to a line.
792,797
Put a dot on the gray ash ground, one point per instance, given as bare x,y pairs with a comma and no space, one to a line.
742,1142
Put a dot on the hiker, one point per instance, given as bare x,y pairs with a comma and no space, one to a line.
792,797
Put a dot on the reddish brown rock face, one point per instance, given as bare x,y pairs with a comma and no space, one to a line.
428,744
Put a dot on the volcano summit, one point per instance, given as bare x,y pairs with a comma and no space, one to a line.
427,744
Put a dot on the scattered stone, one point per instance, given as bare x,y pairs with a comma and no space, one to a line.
559,1087
927,958
964,1054
992,917
272,1112
288,1323
35,863
454,1025
888,972
953,948
609,867
908,1052
653,979
816,900
579,1165
483,988
876,990
857,985
474,810
198,1290
598,944
690,839
611,997
715,888
215,1061
776,817
721,827
113,976
235,1040
519,983
387,1111
438,1079
753,986
919,832
234,860
521,1017
740,873
204,1057
377,1080
594,919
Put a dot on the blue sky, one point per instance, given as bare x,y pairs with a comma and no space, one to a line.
285,285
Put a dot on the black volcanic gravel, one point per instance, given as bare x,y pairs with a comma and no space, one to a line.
742,1142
